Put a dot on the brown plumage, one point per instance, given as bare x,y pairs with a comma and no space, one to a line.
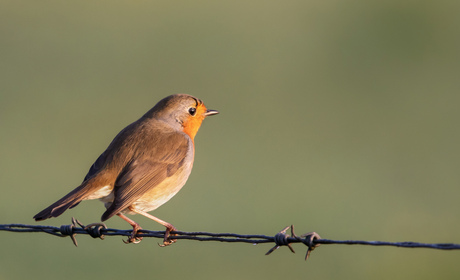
145,165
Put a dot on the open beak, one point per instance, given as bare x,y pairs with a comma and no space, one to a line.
211,112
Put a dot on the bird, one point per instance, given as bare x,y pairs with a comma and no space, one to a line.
144,166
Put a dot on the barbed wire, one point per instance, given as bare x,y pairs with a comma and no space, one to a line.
312,240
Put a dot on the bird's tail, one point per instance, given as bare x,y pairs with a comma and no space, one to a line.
70,200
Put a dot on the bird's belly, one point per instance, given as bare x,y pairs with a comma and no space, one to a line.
163,192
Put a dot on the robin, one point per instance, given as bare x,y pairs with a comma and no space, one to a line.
144,166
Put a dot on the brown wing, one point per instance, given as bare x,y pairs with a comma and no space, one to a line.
147,171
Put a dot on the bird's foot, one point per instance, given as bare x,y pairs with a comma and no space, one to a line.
133,238
167,239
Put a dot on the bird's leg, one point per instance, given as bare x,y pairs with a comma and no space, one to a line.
167,239
136,228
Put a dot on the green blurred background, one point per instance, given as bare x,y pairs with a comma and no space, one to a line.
340,117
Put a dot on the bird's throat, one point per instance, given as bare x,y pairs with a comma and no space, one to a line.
191,126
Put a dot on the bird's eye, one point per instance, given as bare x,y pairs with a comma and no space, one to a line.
192,111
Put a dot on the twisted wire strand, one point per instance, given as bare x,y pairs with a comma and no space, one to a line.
311,240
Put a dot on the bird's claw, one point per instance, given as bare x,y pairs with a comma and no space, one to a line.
167,239
133,238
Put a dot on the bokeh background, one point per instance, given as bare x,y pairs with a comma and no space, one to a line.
340,117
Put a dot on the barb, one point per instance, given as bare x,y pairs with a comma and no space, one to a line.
311,240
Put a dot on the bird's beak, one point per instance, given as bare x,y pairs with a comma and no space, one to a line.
211,112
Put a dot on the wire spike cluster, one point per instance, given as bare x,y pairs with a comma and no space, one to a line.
282,239
311,239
